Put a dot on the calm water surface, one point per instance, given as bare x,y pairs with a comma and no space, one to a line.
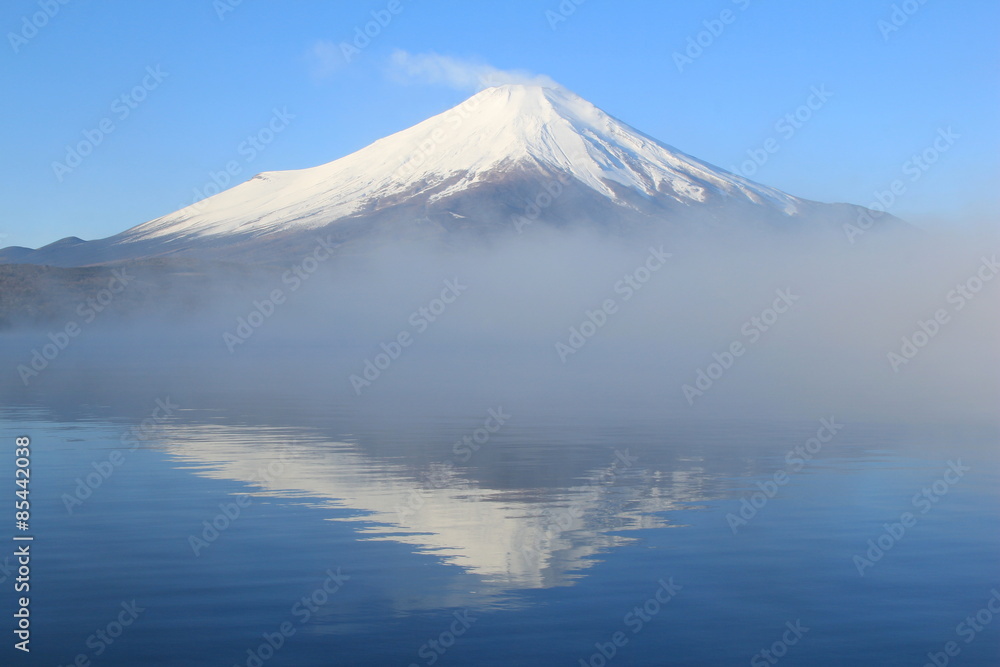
258,520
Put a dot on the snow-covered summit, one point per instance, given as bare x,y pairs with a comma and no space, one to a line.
497,130
508,156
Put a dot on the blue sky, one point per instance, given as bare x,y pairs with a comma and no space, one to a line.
211,73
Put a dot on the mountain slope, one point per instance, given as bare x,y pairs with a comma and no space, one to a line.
508,155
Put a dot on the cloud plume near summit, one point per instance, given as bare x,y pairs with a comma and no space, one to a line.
458,73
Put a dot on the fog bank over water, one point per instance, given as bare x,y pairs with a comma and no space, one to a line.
892,327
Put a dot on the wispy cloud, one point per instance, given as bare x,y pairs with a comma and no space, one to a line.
325,58
457,73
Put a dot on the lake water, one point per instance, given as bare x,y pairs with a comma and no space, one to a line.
248,526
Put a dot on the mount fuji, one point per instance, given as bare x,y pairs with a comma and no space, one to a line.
508,157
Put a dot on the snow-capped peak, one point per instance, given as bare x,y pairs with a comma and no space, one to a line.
494,131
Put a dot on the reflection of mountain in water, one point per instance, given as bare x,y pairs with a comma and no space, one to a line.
510,538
